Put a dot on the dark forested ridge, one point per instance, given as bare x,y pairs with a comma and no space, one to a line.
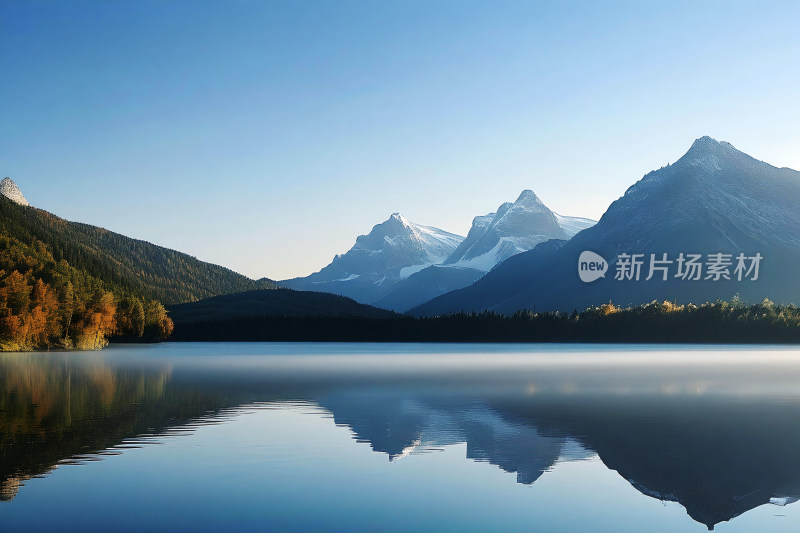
122,263
277,302
656,322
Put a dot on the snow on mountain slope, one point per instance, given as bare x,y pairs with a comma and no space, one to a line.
400,264
515,227
573,225
436,243
393,250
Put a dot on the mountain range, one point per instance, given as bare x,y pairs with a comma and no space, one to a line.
400,264
71,285
514,228
713,200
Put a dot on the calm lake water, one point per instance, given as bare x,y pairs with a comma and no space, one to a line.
355,437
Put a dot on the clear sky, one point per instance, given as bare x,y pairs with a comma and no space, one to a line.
266,135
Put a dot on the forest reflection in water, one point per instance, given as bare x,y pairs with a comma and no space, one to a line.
713,429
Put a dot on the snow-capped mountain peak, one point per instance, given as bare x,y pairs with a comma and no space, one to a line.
400,218
528,198
514,228
398,234
10,190
399,263
391,251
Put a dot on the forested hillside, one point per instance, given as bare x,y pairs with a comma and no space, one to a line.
123,264
46,303
74,286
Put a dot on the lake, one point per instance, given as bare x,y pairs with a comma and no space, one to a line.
393,437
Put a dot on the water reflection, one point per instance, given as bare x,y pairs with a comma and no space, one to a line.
716,432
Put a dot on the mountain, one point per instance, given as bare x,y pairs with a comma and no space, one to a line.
120,262
713,200
392,251
10,190
514,228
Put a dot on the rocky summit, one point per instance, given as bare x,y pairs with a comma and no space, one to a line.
10,190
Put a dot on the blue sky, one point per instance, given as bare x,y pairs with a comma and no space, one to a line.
265,136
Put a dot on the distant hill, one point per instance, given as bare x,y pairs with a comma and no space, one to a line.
272,303
714,199
120,262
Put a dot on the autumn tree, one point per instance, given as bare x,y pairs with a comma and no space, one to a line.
159,326
130,318
93,323
46,303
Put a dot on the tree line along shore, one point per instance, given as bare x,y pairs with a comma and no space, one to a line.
655,322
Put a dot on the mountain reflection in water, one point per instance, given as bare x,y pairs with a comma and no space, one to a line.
716,430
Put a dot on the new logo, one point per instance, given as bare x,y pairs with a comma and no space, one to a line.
591,266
